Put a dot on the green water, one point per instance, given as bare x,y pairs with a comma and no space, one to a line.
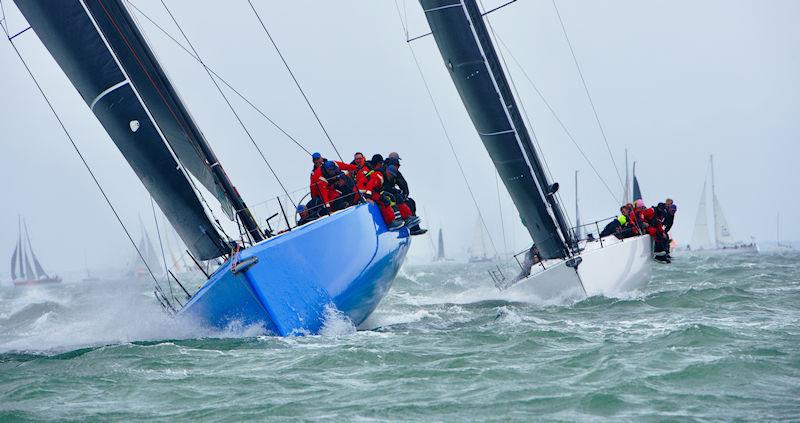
712,339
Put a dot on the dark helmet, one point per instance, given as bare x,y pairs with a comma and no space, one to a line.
376,159
391,161
330,169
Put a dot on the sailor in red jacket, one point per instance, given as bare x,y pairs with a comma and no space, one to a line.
362,167
371,188
321,191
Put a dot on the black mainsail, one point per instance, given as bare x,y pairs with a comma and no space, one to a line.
637,192
106,58
440,250
473,64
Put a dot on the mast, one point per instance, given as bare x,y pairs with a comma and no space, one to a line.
577,211
474,66
626,190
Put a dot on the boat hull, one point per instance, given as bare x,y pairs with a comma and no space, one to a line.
616,268
43,281
291,283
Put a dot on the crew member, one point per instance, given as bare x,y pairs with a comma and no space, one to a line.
411,219
320,189
371,188
302,211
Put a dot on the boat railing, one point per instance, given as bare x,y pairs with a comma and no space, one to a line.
279,214
185,275
579,244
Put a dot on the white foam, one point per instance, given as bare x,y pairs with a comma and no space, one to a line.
336,323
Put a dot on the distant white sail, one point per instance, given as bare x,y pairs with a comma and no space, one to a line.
477,250
722,232
700,238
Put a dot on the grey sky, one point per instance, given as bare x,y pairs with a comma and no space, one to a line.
674,81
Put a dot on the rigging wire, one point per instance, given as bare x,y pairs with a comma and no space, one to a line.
444,129
296,82
586,89
186,173
86,165
518,99
161,245
557,118
500,211
233,110
216,75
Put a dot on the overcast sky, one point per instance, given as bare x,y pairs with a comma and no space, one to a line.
673,81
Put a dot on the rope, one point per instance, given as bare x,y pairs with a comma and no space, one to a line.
557,204
296,82
81,156
233,110
161,245
444,130
500,211
586,89
221,79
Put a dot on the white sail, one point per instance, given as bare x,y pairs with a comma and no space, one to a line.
477,249
722,232
700,238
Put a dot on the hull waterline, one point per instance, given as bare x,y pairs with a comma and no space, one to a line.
291,283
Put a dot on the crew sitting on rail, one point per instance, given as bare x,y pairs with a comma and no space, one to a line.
362,166
397,185
371,188
619,226
318,185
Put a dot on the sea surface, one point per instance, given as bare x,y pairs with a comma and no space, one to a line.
713,338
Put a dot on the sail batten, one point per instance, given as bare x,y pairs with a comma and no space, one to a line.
472,61
102,55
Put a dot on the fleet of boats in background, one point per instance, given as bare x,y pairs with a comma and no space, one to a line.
723,240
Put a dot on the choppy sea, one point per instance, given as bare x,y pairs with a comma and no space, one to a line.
713,338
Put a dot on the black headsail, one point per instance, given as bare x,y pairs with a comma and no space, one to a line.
14,259
40,273
473,64
108,61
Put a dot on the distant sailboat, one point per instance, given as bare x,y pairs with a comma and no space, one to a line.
477,249
780,246
440,256
563,268
22,273
723,240
137,268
